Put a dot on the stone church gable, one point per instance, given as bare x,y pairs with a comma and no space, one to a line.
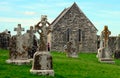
73,24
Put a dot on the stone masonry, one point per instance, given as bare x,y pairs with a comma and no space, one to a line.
73,24
5,39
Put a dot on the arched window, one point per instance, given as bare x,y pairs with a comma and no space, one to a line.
79,35
67,34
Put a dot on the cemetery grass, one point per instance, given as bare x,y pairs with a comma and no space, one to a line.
86,66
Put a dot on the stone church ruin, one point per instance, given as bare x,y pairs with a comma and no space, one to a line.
73,25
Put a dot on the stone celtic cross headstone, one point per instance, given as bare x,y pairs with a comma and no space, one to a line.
104,53
42,60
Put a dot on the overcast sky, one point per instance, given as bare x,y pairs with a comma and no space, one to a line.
28,12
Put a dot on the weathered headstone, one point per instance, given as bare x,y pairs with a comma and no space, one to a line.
5,39
32,42
117,48
104,54
71,48
18,48
42,60
19,29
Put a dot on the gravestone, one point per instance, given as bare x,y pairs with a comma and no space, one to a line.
42,60
18,48
5,39
32,42
71,48
104,53
117,48
19,29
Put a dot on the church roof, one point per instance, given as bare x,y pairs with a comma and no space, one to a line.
65,11
60,16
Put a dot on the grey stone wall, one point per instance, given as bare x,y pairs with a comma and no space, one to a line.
74,20
4,40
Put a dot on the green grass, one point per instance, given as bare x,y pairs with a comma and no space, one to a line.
86,66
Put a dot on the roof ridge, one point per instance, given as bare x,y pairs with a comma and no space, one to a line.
60,15
65,11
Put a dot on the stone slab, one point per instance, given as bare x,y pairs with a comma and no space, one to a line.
30,60
43,72
18,62
107,60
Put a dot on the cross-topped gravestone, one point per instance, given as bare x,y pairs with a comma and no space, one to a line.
18,47
106,34
104,53
31,35
32,42
45,30
31,31
19,29
42,63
